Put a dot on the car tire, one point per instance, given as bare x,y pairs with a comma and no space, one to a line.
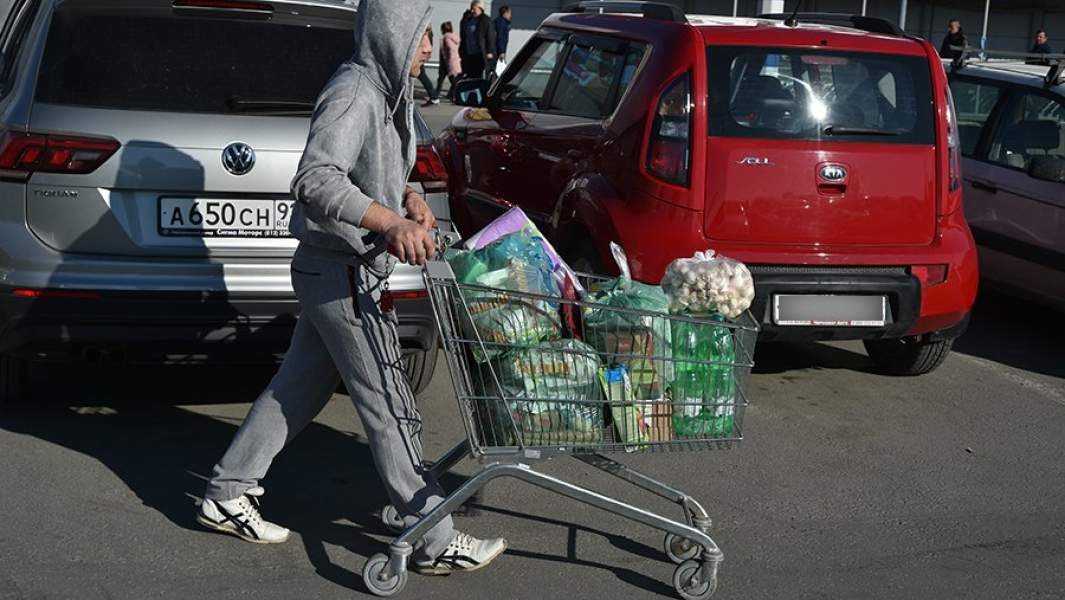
420,365
908,356
14,373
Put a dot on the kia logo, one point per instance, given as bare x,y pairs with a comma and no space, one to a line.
238,158
832,172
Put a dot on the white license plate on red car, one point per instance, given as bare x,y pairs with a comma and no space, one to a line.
224,217
829,311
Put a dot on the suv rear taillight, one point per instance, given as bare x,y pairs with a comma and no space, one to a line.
669,150
23,154
429,169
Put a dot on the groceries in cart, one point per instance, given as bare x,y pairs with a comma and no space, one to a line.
553,392
614,359
516,262
706,283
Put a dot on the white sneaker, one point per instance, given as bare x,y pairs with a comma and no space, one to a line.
465,553
241,518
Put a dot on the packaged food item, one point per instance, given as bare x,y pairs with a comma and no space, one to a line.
658,418
628,420
706,283
704,384
502,322
553,392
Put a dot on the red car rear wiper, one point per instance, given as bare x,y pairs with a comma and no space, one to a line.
841,130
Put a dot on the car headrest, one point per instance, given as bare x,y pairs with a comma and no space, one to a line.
1043,135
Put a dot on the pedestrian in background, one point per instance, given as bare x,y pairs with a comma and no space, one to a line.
1041,46
955,37
432,94
502,25
450,63
477,40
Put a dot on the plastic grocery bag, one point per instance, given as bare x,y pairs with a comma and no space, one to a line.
553,392
639,341
513,221
501,65
515,262
706,283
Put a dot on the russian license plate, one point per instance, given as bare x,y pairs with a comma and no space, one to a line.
829,311
209,217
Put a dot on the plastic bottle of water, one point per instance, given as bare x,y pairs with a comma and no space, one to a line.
703,394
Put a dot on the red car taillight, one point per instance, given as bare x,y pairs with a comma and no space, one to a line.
669,149
23,154
429,169
952,195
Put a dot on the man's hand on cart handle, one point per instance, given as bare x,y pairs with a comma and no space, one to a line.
418,209
407,240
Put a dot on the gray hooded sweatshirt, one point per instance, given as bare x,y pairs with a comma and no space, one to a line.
361,146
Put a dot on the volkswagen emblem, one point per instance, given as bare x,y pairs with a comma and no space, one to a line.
238,158
832,172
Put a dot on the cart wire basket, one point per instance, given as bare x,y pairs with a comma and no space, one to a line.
538,376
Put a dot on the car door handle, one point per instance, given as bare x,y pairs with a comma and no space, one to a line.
987,187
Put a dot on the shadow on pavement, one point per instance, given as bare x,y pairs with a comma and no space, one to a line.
781,357
628,576
1016,333
127,419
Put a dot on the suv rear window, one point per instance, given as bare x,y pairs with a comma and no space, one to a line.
154,60
786,93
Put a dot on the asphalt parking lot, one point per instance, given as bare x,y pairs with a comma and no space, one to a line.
849,485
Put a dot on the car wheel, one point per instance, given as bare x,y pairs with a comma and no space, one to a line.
908,356
14,373
420,365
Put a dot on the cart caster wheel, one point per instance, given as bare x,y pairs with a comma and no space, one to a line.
680,549
690,582
391,520
371,576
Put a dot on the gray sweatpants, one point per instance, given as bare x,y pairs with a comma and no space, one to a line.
341,335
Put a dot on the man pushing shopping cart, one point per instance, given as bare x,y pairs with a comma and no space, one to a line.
350,193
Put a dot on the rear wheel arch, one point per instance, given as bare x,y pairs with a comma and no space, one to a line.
581,220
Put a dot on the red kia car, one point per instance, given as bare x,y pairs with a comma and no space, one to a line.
820,150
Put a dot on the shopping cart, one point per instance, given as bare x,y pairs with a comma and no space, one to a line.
618,379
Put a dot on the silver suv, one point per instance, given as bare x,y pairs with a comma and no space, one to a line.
145,164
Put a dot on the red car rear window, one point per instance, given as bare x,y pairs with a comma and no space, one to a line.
791,93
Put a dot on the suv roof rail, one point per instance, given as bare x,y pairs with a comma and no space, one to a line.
651,10
1054,62
870,24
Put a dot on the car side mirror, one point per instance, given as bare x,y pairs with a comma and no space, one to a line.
471,92
1047,168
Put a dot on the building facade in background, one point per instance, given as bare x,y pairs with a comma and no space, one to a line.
1011,25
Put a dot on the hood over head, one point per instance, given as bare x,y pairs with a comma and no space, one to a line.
387,35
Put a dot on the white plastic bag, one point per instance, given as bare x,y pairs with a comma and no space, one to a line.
501,65
708,283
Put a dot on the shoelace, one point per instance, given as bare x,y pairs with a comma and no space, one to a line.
462,542
251,510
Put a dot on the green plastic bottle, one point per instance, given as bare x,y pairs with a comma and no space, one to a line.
703,394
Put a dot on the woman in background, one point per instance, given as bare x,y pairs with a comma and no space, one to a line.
450,62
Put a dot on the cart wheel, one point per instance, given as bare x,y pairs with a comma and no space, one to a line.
371,576
689,582
391,520
680,549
